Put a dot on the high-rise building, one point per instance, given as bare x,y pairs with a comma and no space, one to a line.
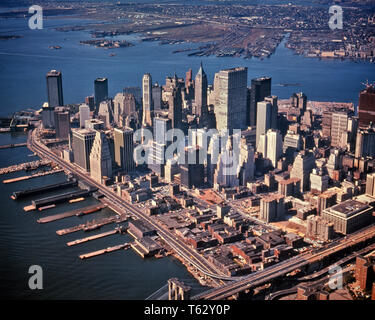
124,105
175,108
302,167
272,208
157,93
192,174
105,112
84,114
201,85
100,158
339,128
370,184
82,140
246,163
365,143
147,100
101,91
124,148
366,106
54,89
275,110
260,88
62,122
264,119
231,99
90,101
48,117
274,146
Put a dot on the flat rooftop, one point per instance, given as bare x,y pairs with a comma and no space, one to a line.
349,206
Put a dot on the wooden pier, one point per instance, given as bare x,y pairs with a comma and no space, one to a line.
97,236
76,212
92,225
103,251
41,174
25,166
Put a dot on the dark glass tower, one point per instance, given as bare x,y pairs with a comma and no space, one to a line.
54,89
101,91
260,88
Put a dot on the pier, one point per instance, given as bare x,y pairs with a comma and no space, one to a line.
97,236
36,175
103,251
76,212
60,198
92,225
7,146
25,166
51,187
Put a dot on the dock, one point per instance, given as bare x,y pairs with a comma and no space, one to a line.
33,165
13,145
92,225
103,251
40,174
60,198
76,212
97,236
47,188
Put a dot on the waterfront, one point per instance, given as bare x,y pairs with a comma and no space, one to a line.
24,242
321,80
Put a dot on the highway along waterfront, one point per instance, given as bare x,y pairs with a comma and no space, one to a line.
122,274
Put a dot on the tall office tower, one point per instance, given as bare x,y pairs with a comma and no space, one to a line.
365,143
272,208
48,118
326,124
147,100
274,146
264,119
275,110
105,113
84,114
370,184
101,91
246,164
82,141
100,158
201,92
137,92
189,85
292,144
124,148
231,96
54,89
260,88
366,106
124,105
302,101
157,93
302,167
161,126
62,122
175,108
90,101
339,128
192,174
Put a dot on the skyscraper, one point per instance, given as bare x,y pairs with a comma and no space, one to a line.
366,106
100,158
201,92
62,122
231,99
264,119
339,127
124,147
260,88
84,114
147,100
82,140
156,96
90,101
54,89
175,108
101,91
302,167
274,146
